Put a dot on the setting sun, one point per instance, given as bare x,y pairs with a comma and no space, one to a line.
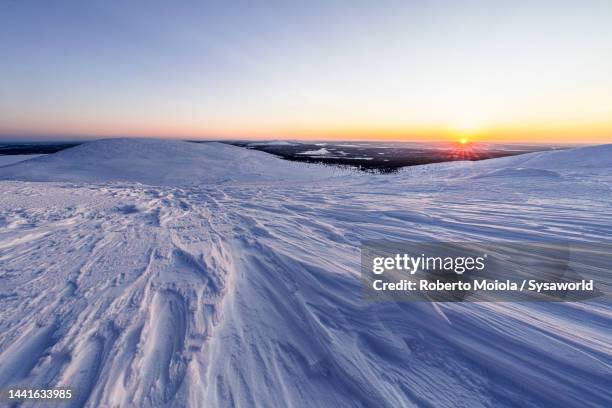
463,140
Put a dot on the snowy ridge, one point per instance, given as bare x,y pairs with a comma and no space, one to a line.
238,291
160,162
585,157
593,159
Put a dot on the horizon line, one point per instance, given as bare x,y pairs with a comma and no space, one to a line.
40,138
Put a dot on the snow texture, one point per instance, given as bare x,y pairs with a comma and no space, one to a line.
5,160
147,273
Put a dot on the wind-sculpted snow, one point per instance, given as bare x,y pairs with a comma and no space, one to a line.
227,293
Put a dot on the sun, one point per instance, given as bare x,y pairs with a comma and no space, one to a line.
463,140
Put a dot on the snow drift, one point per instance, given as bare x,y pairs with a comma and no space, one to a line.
188,276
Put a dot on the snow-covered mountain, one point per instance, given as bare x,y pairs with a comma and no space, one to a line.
163,273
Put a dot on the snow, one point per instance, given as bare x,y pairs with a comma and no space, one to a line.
159,162
162,273
586,157
521,172
5,160
319,152
591,157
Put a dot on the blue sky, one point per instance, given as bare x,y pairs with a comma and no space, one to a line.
343,69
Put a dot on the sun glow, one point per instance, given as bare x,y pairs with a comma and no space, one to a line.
466,127
463,140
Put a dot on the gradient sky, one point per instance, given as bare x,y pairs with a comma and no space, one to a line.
414,70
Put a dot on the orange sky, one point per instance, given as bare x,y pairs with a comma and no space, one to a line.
561,133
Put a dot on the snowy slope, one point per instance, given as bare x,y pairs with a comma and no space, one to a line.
156,273
5,160
159,162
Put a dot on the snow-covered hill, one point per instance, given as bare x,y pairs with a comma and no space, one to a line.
158,273
160,162
5,160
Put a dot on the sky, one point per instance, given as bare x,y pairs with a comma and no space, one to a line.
513,71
